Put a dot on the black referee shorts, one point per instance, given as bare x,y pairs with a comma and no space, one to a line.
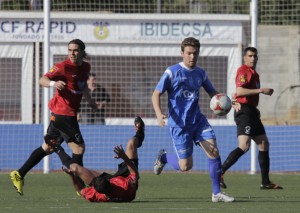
66,128
248,121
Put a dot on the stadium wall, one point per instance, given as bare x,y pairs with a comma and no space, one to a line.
99,154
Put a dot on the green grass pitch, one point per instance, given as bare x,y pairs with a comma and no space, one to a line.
167,193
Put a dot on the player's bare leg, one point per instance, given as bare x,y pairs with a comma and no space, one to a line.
132,145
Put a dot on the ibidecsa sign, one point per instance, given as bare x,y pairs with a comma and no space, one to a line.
120,30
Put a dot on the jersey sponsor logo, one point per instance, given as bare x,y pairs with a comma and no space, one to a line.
81,85
188,94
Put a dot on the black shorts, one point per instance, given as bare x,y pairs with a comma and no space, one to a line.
66,128
248,121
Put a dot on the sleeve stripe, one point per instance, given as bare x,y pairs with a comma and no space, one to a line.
169,72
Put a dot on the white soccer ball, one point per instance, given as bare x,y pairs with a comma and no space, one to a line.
220,104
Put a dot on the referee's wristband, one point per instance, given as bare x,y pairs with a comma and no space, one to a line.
51,84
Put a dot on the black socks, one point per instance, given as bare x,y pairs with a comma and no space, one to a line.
232,158
264,163
36,156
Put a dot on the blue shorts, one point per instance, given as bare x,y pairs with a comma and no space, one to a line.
185,138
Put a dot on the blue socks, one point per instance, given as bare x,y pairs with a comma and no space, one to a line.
215,169
171,159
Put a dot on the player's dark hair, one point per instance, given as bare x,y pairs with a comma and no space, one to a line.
251,49
190,41
81,46
101,185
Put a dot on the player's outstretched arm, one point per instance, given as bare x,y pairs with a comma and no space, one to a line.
121,154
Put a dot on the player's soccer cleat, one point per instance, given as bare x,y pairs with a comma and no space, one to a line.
222,183
270,186
18,182
221,197
140,130
139,124
158,165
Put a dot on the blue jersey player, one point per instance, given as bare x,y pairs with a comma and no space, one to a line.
188,126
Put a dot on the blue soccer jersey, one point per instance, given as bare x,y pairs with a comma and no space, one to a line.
183,88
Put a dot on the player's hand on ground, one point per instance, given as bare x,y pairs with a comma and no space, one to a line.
160,120
120,153
267,91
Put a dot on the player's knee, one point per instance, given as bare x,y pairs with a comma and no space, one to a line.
74,167
48,149
244,147
264,146
78,149
81,151
184,167
215,152
212,152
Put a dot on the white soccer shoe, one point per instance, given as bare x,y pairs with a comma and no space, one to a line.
221,197
158,165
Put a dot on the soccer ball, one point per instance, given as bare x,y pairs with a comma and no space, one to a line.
220,104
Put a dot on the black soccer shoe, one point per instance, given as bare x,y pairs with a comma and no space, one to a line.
270,186
222,183
140,129
139,124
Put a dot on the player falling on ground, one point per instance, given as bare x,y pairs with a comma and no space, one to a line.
104,187
249,125
188,126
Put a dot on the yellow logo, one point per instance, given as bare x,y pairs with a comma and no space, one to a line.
52,69
243,79
101,30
